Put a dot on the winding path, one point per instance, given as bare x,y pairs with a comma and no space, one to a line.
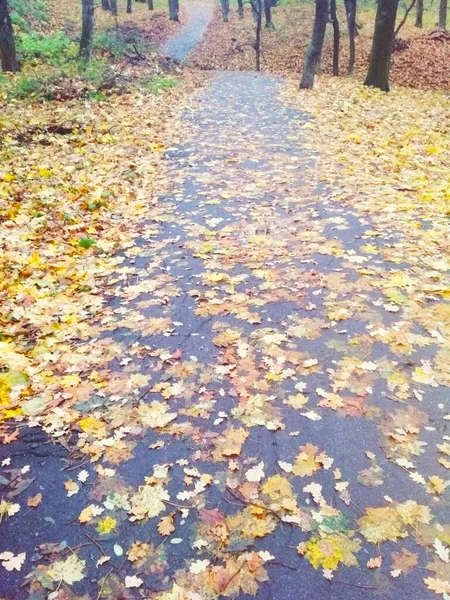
247,311
199,16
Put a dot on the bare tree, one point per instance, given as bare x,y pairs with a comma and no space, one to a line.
314,51
419,13
240,4
257,10
129,6
350,11
173,10
225,6
8,54
113,5
336,36
87,29
443,5
383,40
150,4
268,13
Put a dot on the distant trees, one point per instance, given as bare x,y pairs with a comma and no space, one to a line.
314,51
8,55
336,36
87,29
383,40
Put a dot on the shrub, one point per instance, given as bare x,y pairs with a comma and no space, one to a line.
54,49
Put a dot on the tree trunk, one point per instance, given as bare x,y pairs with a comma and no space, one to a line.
314,52
129,6
268,13
383,39
257,10
225,5
173,10
105,5
8,55
336,37
240,4
350,11
150,4
419,13
113,5
443,14
87,29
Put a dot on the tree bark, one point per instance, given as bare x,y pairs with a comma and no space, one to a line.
314,51
419,13
383,39
443,4
268,13
240,4
225,6
105,5
129,6
113,5
173,10
8,55
350,11
87,29
150,4
336,37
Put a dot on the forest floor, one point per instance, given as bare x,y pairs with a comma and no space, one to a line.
225,343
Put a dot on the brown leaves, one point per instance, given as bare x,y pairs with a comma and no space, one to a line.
166,525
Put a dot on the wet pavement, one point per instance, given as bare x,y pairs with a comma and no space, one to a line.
252,312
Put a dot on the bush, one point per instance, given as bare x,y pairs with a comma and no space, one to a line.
25,12
54,49
121,41
160,83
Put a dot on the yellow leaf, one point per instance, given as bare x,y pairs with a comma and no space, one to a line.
106,525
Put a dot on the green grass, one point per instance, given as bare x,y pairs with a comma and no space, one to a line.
54,49
160,83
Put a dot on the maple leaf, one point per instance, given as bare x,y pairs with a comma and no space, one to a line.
148,502
69,570
132,581
106,525
404,560
12,562
166,525
34,501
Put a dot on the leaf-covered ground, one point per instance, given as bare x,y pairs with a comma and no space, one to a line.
227,372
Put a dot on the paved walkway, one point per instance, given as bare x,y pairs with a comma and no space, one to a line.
275,396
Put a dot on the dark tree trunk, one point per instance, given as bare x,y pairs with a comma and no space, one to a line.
314,52
87,29
225,6
105,5
173,10
8,55
383,39
257,10
240,4
268,13
336,37
419,13
350,11
113,5
443,14
150,4
129,6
